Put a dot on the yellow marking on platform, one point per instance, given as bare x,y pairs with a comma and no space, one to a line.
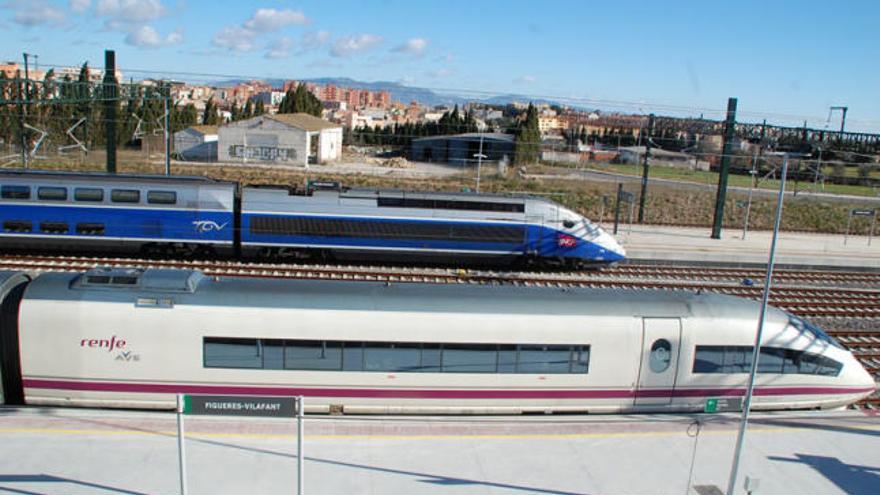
372,437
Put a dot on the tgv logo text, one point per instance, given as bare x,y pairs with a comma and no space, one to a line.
203,226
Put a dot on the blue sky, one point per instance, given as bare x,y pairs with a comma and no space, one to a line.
786,61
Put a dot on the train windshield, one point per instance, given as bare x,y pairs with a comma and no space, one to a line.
818,333
592,230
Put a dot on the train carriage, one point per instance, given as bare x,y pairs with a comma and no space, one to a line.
116,213
131,338
451,227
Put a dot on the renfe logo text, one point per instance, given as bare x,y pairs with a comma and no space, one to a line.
110,344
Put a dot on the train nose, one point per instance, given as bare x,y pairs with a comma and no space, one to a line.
615,251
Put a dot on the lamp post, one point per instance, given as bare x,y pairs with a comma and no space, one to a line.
479,156
756,350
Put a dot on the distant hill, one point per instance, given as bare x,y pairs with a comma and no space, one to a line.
405,94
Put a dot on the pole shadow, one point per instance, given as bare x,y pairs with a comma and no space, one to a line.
851,478
48,478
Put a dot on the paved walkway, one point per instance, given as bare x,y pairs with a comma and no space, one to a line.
681,244
107,452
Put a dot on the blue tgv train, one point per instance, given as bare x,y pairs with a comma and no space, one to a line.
201,216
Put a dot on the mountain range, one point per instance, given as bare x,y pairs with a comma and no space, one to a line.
405,94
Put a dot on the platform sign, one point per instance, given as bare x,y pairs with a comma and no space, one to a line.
722,404
627,197
238,405
863,212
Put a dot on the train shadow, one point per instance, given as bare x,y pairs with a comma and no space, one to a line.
871,426
422,477
851,478
6,479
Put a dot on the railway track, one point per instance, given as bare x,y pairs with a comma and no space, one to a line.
807,299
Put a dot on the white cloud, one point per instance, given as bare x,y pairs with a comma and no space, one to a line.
265,20
413,46
147,37
315,39
280,48
130,11
351,45
525,79
80,6
235,38
242,38
441,73
35,13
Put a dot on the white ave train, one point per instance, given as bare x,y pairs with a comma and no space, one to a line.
132,338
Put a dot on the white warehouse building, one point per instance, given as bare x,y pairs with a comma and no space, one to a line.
288,139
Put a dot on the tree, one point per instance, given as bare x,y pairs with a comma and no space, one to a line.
234,113
260,109
209,117
528,138
248,111
301,100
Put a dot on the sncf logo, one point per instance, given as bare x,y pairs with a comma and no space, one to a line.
566,241
111,345
203,226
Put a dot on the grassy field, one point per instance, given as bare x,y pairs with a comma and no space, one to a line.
667,203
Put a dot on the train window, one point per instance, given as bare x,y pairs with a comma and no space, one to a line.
52,193
232,353
273,354
125,196
440,231
17,226
394,357
569,224
432,358
54,227
543,359
470,358
772,360
580,359
661,356
162,197
90,228
507,359
313,355
353,356
88,194
15,192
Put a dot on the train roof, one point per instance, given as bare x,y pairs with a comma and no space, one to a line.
104,176
191,287
369,193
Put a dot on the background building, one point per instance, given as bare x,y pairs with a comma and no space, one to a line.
197,143
290,139
462,148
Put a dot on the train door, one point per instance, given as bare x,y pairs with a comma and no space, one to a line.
661,339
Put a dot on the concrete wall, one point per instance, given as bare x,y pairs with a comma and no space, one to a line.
263,140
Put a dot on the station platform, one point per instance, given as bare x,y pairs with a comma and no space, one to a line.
54,451
689,245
